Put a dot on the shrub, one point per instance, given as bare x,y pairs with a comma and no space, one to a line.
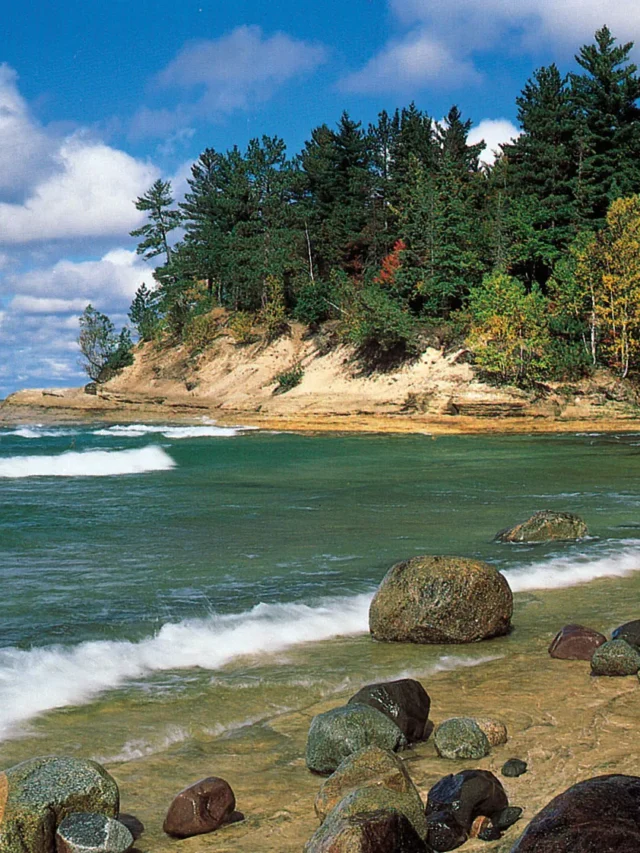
289,378
312,303
201,330
274,311
241,327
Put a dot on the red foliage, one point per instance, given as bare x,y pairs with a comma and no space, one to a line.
391,264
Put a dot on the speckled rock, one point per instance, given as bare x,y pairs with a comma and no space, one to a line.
337,734
368,799
514,767
601,814
441,600
92,833
404,701
370,766
545,526
574,642
380,831
495,730
630,632
461,737
202,807
36,796
616,657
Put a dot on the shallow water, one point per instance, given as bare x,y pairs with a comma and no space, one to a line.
172,595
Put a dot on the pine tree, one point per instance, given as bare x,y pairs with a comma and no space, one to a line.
156,202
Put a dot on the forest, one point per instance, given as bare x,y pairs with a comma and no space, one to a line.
401,236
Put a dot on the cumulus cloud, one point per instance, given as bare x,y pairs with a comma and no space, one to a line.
494,132
219,76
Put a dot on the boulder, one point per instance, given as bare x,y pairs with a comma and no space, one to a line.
495,730
545,526
370,766
38,794
405,701
366,800
630,632
202,807
574,642
514,767
461,737
601,814
380,831
615,657
444,832
466,796
337,734
441,600
92,833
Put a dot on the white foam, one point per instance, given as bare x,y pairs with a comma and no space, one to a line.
559,572
35,681
90,463
140,430
36,431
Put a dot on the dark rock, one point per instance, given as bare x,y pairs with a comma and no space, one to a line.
92,833
39,793
488,831
202,807
91,388
441,600
600,815
444,832
630,632
337,734
514,767
368,799
461,737
574,642
369,766
545,526
405,701
506,817
616,657
381,831
135,826
467,795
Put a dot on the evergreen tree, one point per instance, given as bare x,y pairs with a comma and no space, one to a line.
156,202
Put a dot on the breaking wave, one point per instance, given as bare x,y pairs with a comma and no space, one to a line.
90,463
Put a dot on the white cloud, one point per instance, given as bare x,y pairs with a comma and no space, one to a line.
227,74
494,132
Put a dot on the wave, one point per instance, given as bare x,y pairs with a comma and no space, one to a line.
37,431
140,430
90,463
559,572
41,679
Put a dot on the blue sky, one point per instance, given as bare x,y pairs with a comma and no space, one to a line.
98,99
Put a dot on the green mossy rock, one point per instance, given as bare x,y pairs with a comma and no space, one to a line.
441,600
369,767
367,800
461,737
382,831
92,833
615,657
546,526
39,793
337,734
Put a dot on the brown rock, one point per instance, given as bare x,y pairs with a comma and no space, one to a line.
495,731
480,824
202,807
574,642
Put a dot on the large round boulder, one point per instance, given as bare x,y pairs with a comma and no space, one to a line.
601,814
38,794
441,600
404,701
546,526
337,734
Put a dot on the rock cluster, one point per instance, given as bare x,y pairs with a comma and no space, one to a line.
619,656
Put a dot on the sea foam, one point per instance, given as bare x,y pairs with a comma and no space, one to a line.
90,463
174,432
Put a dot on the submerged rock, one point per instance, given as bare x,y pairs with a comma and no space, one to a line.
92,833
467,795
545,526
630,632
514,767
405,701
616,657
202,807
601,814
441,600
38,794
461,737
381,831
366,800
337,734
370,766
574,642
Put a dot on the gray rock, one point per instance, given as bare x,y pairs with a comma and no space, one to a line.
615,657
514,767
441,600
545,526
92,833
337,734
461,737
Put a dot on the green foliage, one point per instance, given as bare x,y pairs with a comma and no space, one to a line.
241,326
274,312
312,302
156,203
144,312
103,351
201,330
289,378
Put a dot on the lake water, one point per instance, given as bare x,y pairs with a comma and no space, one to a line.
164,586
